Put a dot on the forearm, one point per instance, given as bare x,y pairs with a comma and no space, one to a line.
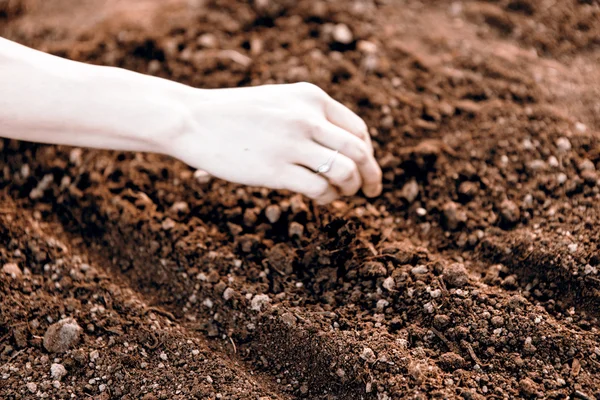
51,100
275,136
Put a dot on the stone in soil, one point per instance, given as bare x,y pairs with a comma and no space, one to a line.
455,275
57,371
62,335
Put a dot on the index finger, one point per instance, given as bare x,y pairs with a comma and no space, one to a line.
336,138
340,115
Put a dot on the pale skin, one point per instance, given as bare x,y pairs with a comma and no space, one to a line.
273,136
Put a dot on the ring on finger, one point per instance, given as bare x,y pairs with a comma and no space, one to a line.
326,166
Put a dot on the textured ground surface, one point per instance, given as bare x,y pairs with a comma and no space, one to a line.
475,274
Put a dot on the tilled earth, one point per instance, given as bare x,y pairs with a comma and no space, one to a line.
475,274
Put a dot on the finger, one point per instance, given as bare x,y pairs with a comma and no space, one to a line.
340,115
313,186
357,150
341,171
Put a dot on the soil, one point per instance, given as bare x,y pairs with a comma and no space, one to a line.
474,275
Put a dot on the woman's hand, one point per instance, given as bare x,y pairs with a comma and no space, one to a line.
277,136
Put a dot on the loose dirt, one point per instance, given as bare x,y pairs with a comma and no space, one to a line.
475,274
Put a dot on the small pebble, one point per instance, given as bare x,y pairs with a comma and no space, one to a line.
202,177
589,176
510,282
75,156
452,216
517,302
572,247
389,283
342,34
452,361
62,335
12,269
298,205
429,308
410,191
58,371
586,165
527,144
228,294
440,321
381,304
455,275
589,270
180,207
561,178
273,213
32,387
154,67
207,40
258,301
167,224
289,318
563,144
296,229
467,190
250,217
368,355
419,270
94,355
528,387
366,47
509,212
528,346
537,165
580,127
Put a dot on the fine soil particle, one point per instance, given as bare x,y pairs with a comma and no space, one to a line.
474,275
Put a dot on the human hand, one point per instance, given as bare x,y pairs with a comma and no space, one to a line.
277,136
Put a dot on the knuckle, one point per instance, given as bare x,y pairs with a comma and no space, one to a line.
310,89
362,154
347,173
310,128
318,190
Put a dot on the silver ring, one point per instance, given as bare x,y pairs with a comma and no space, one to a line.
326,166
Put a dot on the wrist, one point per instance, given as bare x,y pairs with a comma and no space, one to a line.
148,111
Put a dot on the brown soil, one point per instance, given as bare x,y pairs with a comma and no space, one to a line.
474,275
